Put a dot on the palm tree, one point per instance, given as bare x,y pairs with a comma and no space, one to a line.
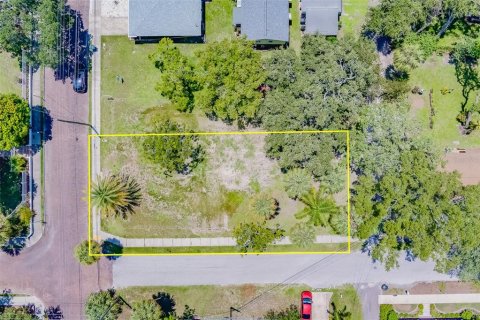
319,207
339,314
116,195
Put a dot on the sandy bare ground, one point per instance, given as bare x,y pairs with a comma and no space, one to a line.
467,164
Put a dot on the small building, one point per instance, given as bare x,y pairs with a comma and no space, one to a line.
267,22
180,20
320,16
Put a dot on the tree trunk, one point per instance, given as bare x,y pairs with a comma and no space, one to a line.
447,24
468,119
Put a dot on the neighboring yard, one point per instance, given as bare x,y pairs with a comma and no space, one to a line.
437,73
353,17
10,74
217,300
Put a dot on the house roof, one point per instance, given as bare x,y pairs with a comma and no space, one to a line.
263,19
322,16
165,18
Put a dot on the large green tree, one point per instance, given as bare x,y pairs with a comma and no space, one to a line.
49,35
10,227
416,209
18,27
466,55
230,74
325,87
14,121
398,18
382,134
175,152
177,79
256,237
103,305
116,195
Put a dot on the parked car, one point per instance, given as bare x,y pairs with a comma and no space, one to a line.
80,80
306,306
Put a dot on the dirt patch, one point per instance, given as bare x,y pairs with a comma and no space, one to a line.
466,162
416,101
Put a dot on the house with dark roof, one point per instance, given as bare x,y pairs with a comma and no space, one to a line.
266,22
181,20
320,16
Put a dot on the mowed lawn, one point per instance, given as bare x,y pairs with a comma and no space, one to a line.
437,74
353,16
9,74
216,301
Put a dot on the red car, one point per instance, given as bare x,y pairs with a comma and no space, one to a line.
306,305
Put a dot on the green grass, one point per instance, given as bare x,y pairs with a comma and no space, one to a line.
9,74
217,300
295,33
318,247
353,16
10,187
347,296
219,18
436,74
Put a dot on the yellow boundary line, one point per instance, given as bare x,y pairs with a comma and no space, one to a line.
90,235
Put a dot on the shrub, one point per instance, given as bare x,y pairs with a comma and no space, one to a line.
339,222
302,234
297,182
387,312
18,163
264,205
82,252
467,315
25,215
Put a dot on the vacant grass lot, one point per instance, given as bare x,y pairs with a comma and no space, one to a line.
9,74
437,74
217,300
353,17
210,201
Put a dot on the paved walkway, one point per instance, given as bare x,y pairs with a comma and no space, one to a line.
429,298
321,303
199,242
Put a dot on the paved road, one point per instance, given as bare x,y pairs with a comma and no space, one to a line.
48,270
315,270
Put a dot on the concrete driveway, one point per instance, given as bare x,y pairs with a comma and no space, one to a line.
48,270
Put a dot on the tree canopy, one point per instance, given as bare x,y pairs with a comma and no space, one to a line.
175,153
417,209
177,80
146,310
256,237
103,305
230,74
14,121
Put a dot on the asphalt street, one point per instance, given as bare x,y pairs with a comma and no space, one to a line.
48,269
318,271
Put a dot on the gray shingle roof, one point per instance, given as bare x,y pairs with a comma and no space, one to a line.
322,16
165,18
264,19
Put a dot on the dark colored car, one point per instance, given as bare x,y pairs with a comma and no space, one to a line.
80,80
306,305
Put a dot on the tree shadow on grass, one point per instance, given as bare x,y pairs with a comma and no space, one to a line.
166,302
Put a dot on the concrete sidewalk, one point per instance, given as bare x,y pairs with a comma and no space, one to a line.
200,242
